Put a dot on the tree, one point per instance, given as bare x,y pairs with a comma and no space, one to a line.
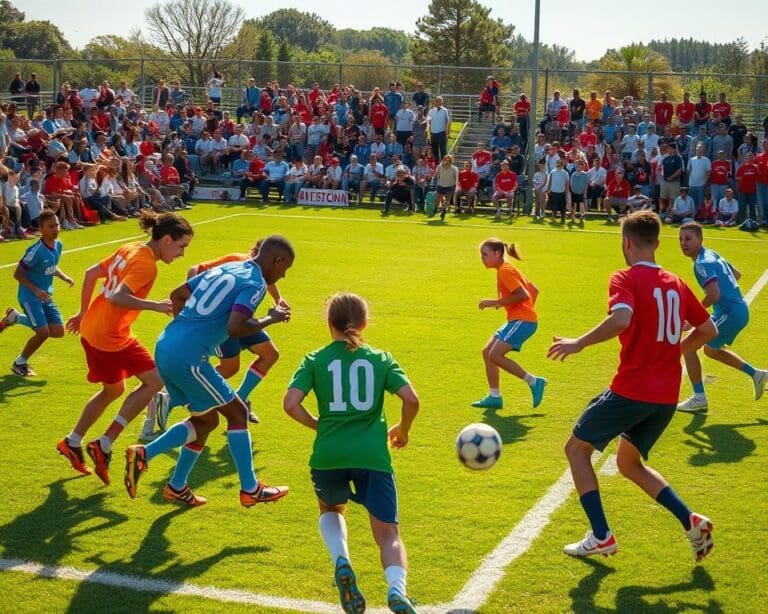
192,29
34,39
366,69
305,30
391,43
461,33
266,48
284,69
9,14
630,66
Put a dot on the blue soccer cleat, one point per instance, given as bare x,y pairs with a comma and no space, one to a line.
537,390
489,402
350,597
399,603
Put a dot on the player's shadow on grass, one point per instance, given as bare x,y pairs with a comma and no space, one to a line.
51,530
719,443
510,428
648,599
155,571
12,386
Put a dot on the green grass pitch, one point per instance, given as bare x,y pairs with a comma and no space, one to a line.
423,281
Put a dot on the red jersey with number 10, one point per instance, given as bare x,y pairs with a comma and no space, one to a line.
649,367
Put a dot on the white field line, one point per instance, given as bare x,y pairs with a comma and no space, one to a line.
367,221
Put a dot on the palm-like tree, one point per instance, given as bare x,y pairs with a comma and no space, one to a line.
629,68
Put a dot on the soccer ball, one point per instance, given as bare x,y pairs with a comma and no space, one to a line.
478,446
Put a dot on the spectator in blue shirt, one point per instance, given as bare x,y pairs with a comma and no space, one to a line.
275,171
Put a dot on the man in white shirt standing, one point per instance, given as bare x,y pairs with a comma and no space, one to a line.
699,169
439,126
89,96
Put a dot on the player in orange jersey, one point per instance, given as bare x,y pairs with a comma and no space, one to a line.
104,325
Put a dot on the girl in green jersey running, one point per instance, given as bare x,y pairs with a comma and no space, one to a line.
350,459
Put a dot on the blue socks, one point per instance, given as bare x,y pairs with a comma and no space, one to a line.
240,447
748,369
184,465
593,507
250,381
698,388
669,499
174,437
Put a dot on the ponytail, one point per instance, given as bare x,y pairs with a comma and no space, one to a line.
498,246
514,251
158,225
348,314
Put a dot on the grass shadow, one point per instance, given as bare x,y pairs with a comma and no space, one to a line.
50,531
718,443
510,428
637,598
12,386
154,569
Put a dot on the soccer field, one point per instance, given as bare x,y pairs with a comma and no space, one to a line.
487,541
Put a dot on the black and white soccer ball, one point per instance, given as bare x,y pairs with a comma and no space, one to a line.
478,446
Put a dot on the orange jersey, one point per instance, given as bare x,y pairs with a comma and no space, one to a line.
509,278
105,326
212,264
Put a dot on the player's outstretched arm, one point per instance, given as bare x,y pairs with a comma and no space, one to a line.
293,407
609,328
92,275
123,297
398,433
706,331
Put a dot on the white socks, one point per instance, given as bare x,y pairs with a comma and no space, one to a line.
396,578
333,528
495,393
529,379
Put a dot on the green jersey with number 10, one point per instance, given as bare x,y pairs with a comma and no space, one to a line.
350,386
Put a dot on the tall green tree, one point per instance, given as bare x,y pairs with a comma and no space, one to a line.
284,69
305,30
391,43
34,39
461,33
9,14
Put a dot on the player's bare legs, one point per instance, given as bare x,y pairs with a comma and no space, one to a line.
96,405
394,560
54,331
495,357
631,466
491,368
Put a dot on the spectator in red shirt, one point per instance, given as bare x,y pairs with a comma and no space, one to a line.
685,111
723,109
58,187
617,193
718,178
379,115
523,112
253,176
504,186
588,137
746,184
662,113
762,182
467,186
170,183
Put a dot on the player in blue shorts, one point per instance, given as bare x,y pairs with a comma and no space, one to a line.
35,273
211,307
730,312
228,352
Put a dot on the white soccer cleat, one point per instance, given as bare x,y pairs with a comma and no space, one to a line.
700,536
693,404
590,545
759,380
159,408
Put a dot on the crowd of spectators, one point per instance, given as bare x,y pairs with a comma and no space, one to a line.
97,154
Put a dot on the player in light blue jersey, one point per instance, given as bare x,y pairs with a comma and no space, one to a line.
211,307
730,312
35,273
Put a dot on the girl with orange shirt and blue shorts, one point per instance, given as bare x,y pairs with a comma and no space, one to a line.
518,296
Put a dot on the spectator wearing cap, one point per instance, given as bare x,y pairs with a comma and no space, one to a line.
333,175
32,91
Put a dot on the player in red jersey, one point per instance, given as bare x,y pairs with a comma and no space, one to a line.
648,307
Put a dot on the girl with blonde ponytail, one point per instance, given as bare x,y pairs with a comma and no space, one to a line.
349,379
517,295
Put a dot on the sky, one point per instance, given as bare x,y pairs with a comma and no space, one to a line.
604,24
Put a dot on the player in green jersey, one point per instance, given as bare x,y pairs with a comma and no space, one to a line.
349,380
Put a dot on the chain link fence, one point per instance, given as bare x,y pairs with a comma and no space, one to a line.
460,86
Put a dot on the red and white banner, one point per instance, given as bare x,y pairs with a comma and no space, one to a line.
326,198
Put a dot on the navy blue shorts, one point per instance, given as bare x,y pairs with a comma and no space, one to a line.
609,415
234,345
375,490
